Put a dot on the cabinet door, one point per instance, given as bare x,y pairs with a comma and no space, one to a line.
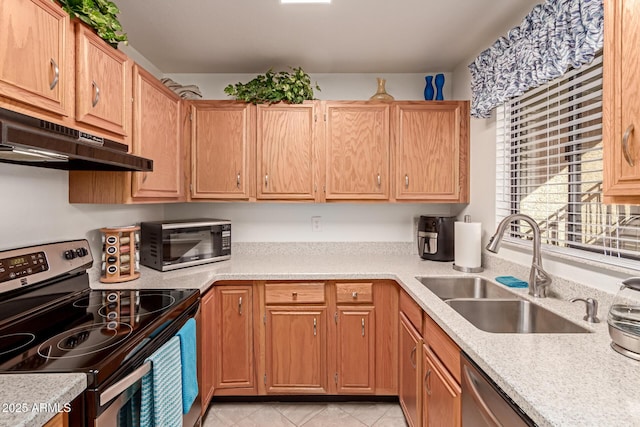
222,140
207,348
441,394
287,164
621,110
103,83
157,136
36,54
357,156
356,350
431,143
296,347
234,344
410,372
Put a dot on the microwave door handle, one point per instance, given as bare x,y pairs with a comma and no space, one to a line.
116,389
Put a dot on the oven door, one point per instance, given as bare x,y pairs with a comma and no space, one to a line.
118,404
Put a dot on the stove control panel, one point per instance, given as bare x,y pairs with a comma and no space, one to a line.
34,264
22,265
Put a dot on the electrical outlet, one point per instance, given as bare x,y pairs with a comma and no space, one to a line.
316,225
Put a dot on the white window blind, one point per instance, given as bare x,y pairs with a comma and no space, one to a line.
549,166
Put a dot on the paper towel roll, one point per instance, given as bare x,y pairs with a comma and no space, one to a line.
467,248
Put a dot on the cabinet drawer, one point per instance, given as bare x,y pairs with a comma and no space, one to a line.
353,293
294,293
412,310
443,346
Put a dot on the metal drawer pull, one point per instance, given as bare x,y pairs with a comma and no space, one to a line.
412,358
96,97
240,306
266,180
56,74
354,295
406,181
238,180
315,327
116,389
625,145
363,326
379,181
294,294
427,377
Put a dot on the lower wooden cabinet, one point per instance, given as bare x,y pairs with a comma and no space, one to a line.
356,337
296,350
410,367
441,394
206,348
59,420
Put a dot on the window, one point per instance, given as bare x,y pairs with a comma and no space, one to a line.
549,166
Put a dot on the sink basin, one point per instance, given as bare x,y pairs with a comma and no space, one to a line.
464,287
513,316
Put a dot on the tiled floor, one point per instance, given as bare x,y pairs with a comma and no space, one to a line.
281,414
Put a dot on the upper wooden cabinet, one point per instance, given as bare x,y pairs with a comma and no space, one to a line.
159,121
621,109
156,135
287,152
357,150
36,55
103,83
431,141
222,150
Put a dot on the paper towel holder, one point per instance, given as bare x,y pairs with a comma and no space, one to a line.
467,218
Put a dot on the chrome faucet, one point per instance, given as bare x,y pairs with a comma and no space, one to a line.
539,280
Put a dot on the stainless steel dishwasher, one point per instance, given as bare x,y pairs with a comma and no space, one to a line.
484,404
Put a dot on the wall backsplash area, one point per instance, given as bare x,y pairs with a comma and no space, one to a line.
35,209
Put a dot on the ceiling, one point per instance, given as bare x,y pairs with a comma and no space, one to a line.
347,36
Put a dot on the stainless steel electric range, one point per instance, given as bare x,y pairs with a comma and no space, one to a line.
51,321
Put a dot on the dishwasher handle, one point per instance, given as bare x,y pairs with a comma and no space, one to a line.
472,381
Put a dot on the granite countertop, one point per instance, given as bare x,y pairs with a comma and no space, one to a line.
557,379
33,399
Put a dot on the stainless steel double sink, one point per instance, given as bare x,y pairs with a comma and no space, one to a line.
492,308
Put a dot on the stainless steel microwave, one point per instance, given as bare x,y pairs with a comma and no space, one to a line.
168,245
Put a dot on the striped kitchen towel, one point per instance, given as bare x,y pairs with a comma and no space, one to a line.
161,404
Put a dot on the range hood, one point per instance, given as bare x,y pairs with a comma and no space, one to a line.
29,141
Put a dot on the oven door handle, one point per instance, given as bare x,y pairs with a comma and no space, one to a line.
115,390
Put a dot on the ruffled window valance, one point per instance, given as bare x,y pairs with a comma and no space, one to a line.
555,36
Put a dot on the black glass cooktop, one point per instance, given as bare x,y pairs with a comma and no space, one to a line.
82,330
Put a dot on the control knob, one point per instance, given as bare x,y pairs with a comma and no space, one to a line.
82,252
70,254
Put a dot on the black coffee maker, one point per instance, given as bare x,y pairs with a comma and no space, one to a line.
435,238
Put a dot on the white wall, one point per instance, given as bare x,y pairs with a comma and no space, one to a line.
291,222
333,86
35,209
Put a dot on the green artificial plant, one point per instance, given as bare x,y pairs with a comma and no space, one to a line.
272,87
101,15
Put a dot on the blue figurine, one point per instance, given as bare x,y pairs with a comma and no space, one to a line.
439,86
428,89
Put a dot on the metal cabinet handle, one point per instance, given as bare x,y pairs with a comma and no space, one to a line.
240,306
406,181
294,294
354,295
145,175
96,96
117,389
427,379
266,180
412,358
315,327
475,394
238,180
625,145
379,180
363,326
56,74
